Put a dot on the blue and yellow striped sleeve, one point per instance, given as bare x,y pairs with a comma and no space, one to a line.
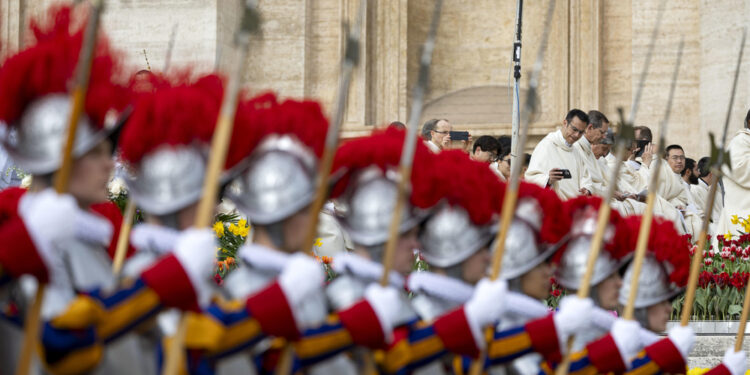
659,357
73,341
226,328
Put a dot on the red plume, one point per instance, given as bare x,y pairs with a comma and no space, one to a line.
47,66
555,220
383,149
618,246
263,116
179,114
665,243
469,184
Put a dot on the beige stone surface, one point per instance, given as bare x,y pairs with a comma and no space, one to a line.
594,59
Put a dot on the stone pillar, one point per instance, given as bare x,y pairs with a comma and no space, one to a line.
389,61
585,54
720,32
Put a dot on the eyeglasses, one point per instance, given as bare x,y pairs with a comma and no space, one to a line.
506,161
677,157
441,131
576,130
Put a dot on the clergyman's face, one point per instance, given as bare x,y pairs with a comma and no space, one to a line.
441,135
595,135
483,156
573,130
600,150
676,160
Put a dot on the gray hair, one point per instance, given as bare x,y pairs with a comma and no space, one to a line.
428,127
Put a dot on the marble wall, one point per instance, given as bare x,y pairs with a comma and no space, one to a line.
596,53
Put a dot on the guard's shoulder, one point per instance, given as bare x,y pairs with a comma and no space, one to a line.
9,201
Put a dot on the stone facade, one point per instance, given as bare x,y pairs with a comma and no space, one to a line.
594,59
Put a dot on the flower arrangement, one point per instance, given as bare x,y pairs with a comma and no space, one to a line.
231,232
118,194
556,293
723,278
326,262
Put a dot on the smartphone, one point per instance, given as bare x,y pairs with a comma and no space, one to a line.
459,136
641,144
566,173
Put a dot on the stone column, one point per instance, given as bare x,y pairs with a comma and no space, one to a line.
389,60
585,54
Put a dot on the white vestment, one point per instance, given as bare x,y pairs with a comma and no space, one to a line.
700,195
737,183
432,146
673,191
494,167
598,173
554,152
610,160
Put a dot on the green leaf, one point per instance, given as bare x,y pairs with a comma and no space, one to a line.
734,309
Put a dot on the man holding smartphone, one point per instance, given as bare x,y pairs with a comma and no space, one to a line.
437,134
554,162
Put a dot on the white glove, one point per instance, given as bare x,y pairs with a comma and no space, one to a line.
47,215
574,315
302,276
736,362
487,303
485,307
683,338
196,251
626,334
386,303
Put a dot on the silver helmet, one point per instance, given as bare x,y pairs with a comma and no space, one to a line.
369,203
653,284
523,250
449,236
37,143
277,181
575,259
169,179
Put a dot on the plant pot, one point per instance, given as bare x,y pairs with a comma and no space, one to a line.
712,327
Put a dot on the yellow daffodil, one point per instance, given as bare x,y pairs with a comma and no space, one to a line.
735,220
728,236
242,223
219,228
318,242
233,229
746,226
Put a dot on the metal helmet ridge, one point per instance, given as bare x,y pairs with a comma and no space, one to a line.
274,160
279,180
467,220
164,149
573,260
36,103
665,267
369,200
366,184
538,229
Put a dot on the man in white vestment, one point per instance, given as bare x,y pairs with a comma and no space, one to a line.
736,181
554,157
675,192
437,134
625,199
705,177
